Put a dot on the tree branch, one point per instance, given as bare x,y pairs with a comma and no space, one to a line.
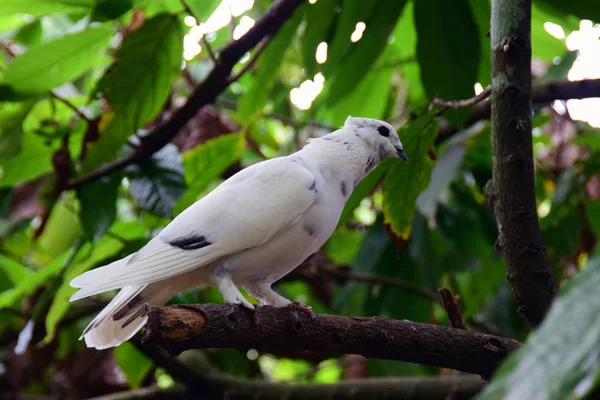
452,310
421,388
540,95
512,192
206,93
182,327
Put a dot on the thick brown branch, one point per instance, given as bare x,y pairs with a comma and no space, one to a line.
178,328
422,388
513,191
205,93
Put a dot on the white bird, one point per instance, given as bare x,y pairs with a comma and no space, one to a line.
249,232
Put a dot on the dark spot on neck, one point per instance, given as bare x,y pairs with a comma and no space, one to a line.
309,229
356,182
343,189
313,186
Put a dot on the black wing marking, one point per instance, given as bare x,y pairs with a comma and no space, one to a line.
190,242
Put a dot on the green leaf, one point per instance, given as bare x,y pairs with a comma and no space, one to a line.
202,9
561,359
137,85
362,55
363,189
449,52
543,45
319,17
207,162
105,249
61,231
369,99
352,13
42,7
30,34
14,270
32,161
48,65
481,10
99,205
32,283
12,116
158,183
584,9
106,10
134,364
253,101
592,209
405,181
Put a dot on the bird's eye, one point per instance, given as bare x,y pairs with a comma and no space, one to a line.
383,131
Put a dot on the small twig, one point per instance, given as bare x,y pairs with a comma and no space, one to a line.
451,308
259,48
211,53
462,103
71,106
384,280
105,170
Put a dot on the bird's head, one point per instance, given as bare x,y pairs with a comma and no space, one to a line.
380,135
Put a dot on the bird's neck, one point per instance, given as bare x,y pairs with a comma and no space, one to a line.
339,158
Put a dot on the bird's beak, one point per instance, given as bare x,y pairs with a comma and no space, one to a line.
401,154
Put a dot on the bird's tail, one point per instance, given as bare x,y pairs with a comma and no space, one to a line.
120,319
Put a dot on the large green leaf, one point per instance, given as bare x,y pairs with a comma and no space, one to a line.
253,101
105,10
32,161
207,162
11,127
584,9
14,270
363,189
319,17
405,181
42,7
48,65
99,205
32,283
362,55
134,364
368,99
106,248
137,85
449,52
202,9
158,183
481,10
561,359
352,13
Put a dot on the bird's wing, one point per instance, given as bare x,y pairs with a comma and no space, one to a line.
245,211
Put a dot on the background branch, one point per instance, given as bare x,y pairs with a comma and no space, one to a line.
512,192
182,327
540,95
206,93
422,388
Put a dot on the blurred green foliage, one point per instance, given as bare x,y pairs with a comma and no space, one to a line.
82,80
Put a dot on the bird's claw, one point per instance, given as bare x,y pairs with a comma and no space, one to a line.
253,314
307,310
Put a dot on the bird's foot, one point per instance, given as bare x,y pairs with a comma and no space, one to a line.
307,310
253,312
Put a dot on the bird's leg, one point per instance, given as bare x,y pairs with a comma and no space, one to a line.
268,296
230,293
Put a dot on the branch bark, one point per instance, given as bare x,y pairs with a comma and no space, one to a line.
183,327
540,95
512,192
206,93
422,388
